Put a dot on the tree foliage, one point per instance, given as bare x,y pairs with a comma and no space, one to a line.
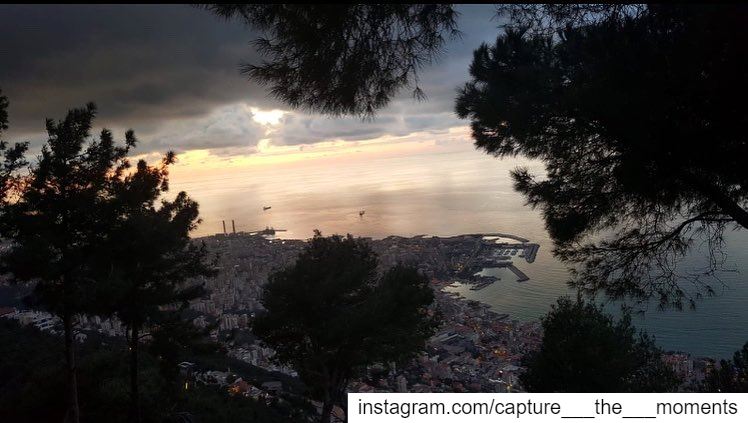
639,120
549,18
12,157
61,212
331,314
343,59
585,350
149,254
731,375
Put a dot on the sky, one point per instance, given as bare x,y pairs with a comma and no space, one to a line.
171,73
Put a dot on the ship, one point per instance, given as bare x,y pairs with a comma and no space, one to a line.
265,208
267,231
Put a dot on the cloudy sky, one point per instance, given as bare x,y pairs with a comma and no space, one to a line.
171,73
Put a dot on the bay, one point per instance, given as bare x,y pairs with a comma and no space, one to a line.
446,189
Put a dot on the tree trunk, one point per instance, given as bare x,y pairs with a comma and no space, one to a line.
341,397
326,411
726,204
344,406
134,394
729,207
73,412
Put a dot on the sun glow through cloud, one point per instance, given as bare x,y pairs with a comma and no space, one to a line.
267,117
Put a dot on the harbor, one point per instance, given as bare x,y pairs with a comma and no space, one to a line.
472,253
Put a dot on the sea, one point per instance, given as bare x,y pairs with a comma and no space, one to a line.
449,189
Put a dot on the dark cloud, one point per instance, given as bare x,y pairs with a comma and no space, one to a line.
140,64
171,71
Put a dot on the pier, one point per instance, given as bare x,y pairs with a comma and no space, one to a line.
521,277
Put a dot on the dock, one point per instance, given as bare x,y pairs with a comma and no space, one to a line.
521,277
479,286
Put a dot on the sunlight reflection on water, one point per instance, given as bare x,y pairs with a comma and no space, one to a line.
445,191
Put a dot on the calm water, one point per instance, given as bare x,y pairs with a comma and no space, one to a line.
443,190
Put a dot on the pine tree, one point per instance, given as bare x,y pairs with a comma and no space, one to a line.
586,350
147,257
331,314
56,218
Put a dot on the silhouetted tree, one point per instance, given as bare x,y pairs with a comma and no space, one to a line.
731,376
148,256
175,339
3,112
549,18
330,314
56,218
343,58
12,157
584,350
639,119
